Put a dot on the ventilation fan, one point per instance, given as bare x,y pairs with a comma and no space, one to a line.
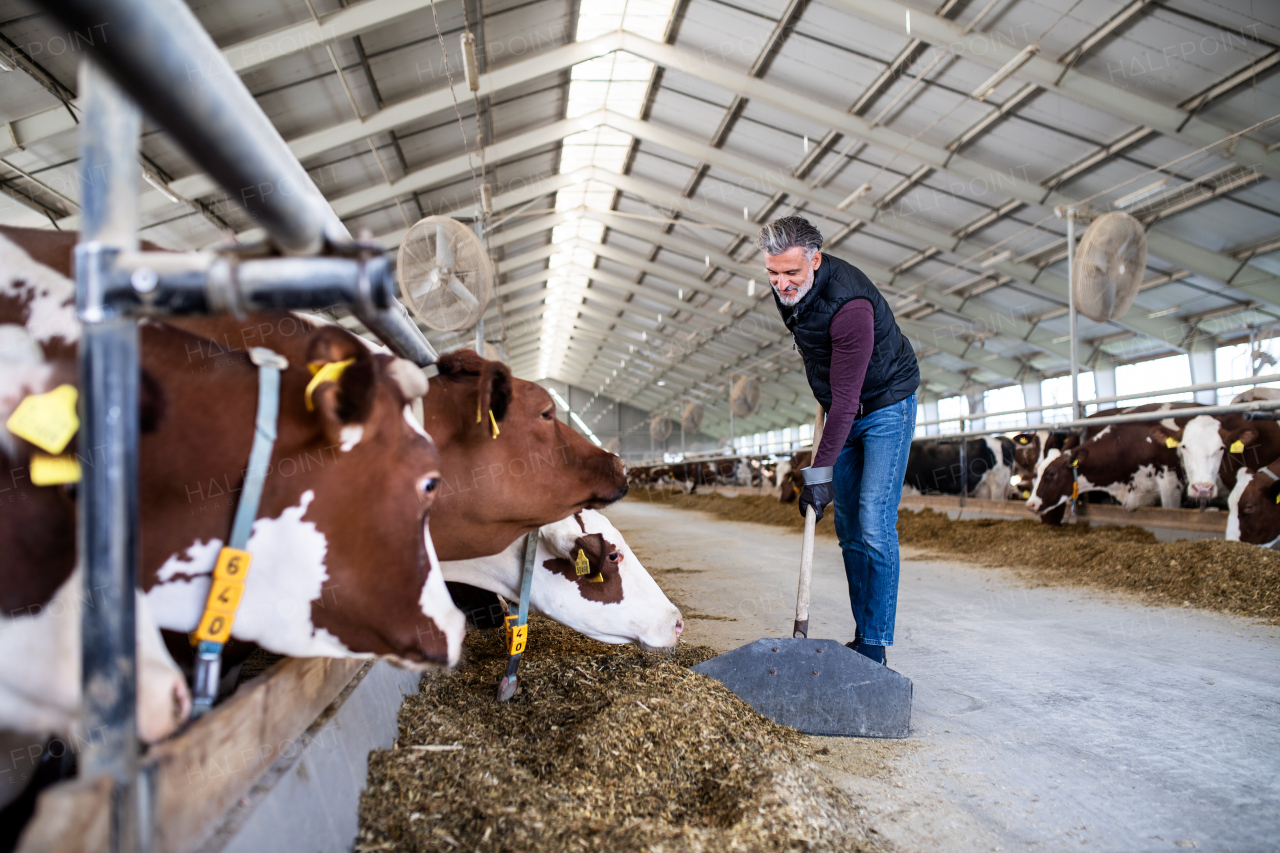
660,429
1109,265
744,399
691,419
445,275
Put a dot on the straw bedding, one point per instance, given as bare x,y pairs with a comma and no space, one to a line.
605,748
1214,574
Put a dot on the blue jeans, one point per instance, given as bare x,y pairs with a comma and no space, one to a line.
868,486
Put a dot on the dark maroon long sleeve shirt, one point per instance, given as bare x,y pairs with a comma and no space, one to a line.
853,336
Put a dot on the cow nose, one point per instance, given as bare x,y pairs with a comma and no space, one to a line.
679,627
1201,490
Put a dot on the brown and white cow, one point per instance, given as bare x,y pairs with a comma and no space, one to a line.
625,605
509,465
1030,449
1254,507
343,561
790,482
1131,462
1214,448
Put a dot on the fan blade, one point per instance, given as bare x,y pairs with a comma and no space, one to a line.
460,290
444,248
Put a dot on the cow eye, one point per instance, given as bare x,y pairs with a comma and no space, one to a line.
549,413
615,557
428,484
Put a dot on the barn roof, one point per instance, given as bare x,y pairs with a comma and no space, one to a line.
633,148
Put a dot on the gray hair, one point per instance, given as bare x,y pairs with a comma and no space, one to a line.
787,233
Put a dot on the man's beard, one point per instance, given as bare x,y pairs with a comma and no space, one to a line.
800,294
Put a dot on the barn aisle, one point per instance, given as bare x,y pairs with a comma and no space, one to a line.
1045,718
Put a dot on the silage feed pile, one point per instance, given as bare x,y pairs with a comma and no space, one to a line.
605,748
1231,577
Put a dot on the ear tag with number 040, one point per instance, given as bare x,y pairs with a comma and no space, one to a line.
582,565
48,420
1171,443
1237,446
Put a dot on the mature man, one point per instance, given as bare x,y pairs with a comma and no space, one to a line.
864,373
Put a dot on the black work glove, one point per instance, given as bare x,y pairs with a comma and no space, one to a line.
817,490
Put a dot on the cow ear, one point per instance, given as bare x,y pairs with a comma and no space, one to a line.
1244,437
346,389
1078,456
1162,436
495,392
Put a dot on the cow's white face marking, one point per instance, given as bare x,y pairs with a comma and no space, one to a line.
414,423
1033,502
437,605
40,665
1200,452
645,616
287,574
51,312
1243,479
40,670
23,371
350,436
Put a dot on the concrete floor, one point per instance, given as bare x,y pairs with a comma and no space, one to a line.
1044,718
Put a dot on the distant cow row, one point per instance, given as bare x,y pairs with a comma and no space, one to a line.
1182,458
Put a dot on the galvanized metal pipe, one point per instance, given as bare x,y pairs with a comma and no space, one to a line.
1071,312
107,526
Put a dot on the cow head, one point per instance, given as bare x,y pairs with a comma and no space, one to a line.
613,600
1026,453
1200,449
343,563
509,465
1254,506
1052,491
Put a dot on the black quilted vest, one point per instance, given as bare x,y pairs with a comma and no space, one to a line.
892,374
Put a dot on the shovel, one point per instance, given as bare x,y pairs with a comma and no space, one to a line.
820,687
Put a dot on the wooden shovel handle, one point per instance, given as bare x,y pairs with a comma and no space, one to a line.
801,629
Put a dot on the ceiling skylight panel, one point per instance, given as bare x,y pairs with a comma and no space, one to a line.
618,82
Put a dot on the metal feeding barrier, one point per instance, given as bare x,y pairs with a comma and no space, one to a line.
159,58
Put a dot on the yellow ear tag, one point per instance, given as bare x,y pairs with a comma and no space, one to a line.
1075,463
321,373
494,424
1237,446
54,470
47,420
1171,443
596,578
582,565
1075,491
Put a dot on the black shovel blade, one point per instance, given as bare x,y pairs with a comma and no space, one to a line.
819,687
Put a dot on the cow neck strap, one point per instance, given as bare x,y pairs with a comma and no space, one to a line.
518,634
232,568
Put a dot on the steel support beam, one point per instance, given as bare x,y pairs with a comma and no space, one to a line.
1177,123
